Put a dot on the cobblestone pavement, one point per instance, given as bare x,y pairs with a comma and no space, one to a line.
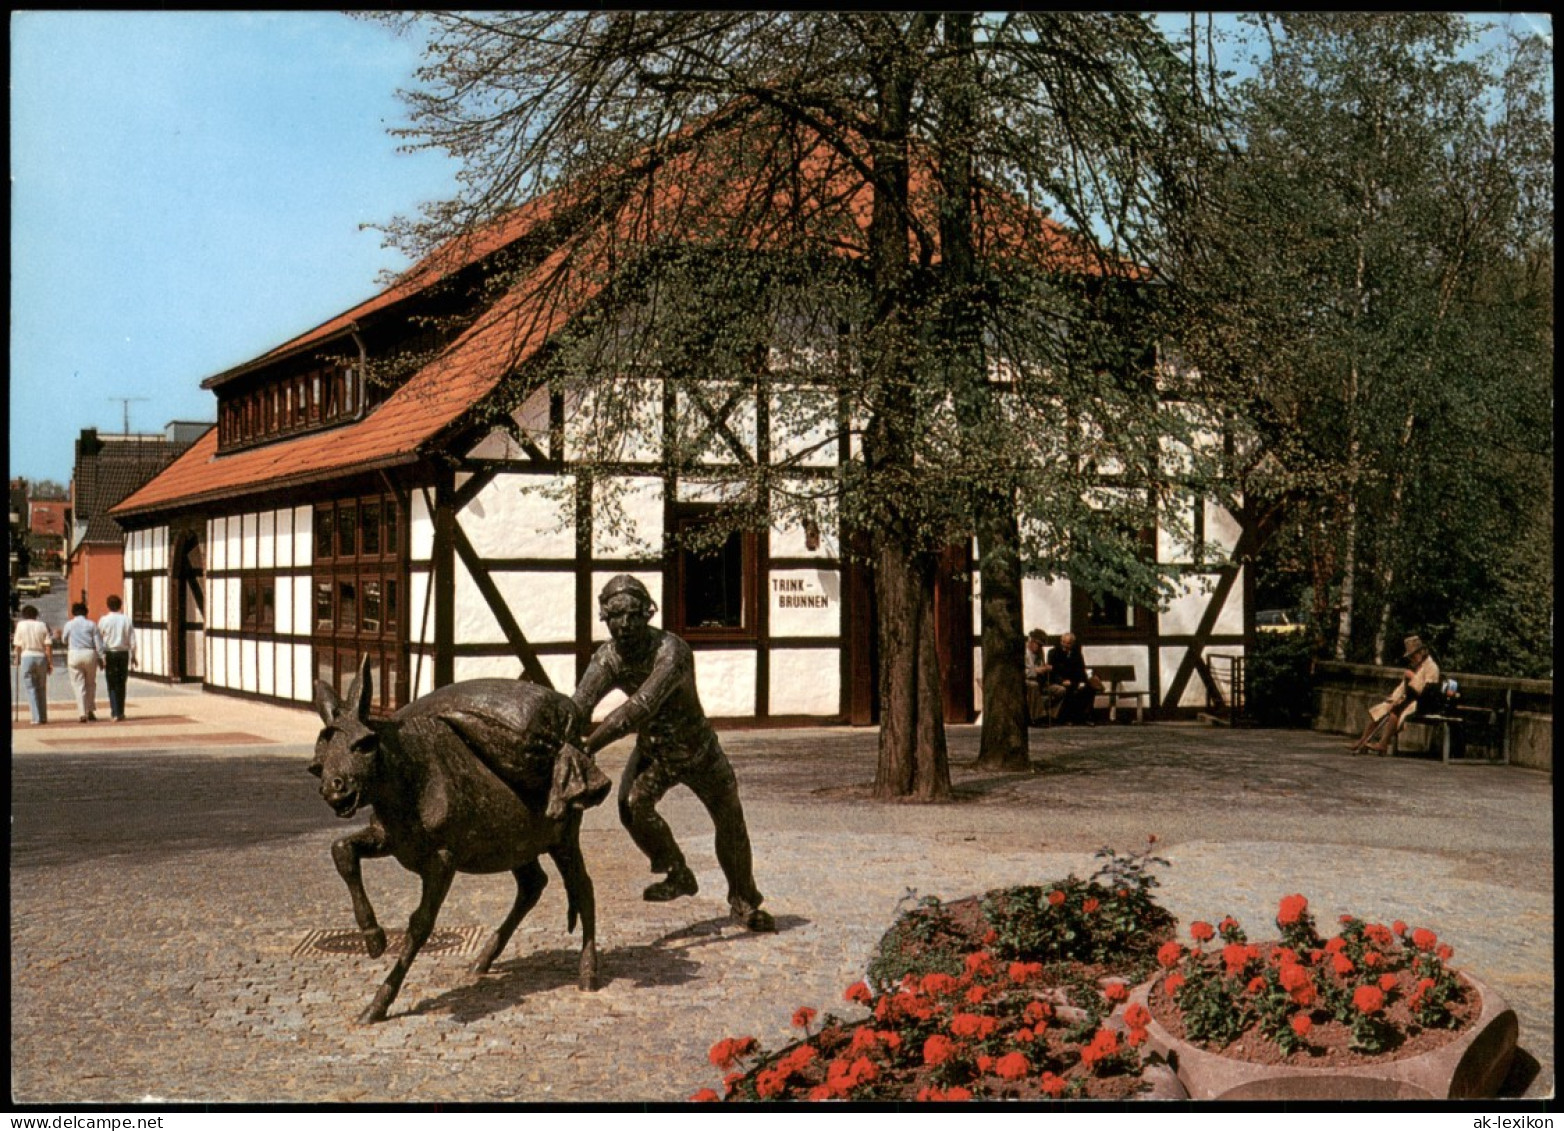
159,901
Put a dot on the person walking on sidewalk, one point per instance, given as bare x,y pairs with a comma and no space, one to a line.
83,654
119,653
30,648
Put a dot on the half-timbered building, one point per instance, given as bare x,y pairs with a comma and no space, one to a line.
332,514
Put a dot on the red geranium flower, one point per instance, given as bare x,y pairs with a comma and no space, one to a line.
705,1096
1301,1024
1445,952
1387,982
1228,923
798,1059
979,963
938,1049
1036,1011
957,1095
1315,955
726,1051
936,984
1368,999
1372,958
863,1040
803,1017
1115,991
1051,1085
1424,939
1201,931
1169,954
1055,897
858,992
771,1082
1255,985
1137,1016
1235,957
1399,927
1090,905
1024,971
973,1026
1135,1038
1023,1035
984,1063
1171,984
990,937
1011,1066
976,995
1292,909
1293,977
1342,965
890,1040
1332,946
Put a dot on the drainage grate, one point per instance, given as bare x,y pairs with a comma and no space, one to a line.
444,940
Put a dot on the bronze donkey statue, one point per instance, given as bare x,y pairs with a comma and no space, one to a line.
479,777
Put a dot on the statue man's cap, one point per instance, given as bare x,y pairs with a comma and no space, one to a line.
624,583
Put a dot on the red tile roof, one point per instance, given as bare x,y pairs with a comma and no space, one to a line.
514,328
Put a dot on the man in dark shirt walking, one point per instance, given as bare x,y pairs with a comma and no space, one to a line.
675,745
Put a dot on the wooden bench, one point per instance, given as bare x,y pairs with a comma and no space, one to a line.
1114,677
1457,726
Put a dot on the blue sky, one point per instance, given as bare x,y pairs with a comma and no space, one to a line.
187,192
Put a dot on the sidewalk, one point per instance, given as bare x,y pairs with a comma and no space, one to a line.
193,978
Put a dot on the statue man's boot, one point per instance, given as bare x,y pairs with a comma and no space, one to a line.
749,916
678,882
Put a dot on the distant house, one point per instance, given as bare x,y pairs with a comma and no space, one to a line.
331,518
47,521
109,467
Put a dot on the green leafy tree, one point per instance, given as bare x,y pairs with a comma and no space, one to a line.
855,213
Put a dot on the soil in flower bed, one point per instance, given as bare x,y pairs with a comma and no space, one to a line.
1329,1040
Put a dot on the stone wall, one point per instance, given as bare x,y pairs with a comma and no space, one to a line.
1343,694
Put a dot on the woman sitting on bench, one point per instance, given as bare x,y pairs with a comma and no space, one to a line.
1419,688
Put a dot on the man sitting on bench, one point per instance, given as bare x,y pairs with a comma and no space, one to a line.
1418,689
1069,676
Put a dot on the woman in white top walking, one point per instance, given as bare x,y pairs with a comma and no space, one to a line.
32,651
83,654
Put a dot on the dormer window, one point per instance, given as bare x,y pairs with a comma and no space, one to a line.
332,392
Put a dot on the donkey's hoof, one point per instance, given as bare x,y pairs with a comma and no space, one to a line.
491,950
377,1008
375,942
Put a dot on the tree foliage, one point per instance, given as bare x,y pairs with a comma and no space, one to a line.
928,224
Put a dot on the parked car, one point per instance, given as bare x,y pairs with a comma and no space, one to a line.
1278,620
34,586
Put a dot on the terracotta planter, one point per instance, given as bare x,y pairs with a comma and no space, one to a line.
1470,1067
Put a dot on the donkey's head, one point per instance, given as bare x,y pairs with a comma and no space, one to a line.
347,749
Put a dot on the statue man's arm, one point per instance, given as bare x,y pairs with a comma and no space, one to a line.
670,668
596,682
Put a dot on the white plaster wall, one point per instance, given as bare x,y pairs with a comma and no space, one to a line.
520,516
805,681
303,685
790,541
217,543
1116,655
726,683
1184,612
285,538
654,586
561,672
740,422
475,624
216,662
420,625
420,529
543,604
641,501
303,535
800,420
485,667
788,618
249,526
234,672
1045,605
247,665
303,606
266,667
284,661
232,540
266,540
216,598
1221,527
235,614
160,598
421,677
608,704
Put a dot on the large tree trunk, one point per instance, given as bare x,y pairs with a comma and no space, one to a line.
1003,745
914,763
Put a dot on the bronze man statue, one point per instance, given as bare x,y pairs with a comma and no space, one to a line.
675,745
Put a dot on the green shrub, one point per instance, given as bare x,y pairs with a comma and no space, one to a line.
1278,671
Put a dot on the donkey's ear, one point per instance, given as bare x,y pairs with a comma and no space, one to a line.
327,703
361,692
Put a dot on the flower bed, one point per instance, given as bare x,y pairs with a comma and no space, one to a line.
1372,1012
1020,994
